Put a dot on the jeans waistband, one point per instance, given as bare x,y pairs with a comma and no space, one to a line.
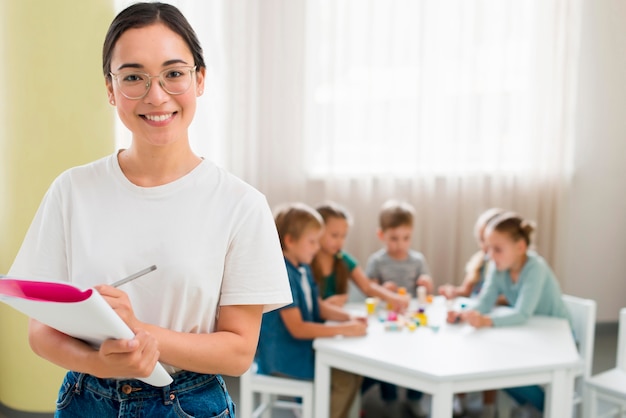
123,389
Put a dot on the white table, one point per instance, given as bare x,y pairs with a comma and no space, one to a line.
457,359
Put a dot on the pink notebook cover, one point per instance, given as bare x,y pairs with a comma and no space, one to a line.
83,314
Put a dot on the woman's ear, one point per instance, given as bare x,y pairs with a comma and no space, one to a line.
109,85
200,78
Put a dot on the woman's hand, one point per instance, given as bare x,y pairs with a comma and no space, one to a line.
129,358
118,300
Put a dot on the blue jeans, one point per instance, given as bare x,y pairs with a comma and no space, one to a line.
190,395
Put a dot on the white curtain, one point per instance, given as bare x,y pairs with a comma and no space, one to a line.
453,105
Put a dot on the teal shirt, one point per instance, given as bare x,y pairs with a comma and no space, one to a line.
537,292
329,283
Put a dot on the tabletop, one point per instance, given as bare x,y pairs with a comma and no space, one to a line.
456,357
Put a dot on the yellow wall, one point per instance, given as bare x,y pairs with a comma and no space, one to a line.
54,114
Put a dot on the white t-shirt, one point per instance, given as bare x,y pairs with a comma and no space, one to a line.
211,236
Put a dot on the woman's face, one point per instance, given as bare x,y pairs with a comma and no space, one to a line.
334,236
158,118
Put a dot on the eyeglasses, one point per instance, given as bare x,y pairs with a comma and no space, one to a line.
135,85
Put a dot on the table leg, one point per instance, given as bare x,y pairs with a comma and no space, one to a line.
441,405
560,395
321,385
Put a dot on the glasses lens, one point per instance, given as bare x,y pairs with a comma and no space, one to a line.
133,84
176,80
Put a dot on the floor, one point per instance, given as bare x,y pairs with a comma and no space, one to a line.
604,359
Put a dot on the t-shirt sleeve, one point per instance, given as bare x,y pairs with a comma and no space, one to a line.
350,261
43,250
254,271
371,268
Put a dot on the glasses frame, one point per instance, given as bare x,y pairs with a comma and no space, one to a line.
191,69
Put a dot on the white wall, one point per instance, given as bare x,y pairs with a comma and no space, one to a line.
593,257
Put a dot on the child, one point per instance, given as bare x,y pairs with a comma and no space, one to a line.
524,278
286,342
332,267
475,272
476,266
397,265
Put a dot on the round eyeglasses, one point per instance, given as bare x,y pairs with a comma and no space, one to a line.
135,85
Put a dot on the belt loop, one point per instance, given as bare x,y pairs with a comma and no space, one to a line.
78,386
167,395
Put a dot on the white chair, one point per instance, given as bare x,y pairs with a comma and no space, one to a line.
268,388
609,388
583,313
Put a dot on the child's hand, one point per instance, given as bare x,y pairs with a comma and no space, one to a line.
337,300
426,281
399,303
391,286
454,317
355,328
477,320
447,290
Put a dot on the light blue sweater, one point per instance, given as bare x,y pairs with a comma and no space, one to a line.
537,292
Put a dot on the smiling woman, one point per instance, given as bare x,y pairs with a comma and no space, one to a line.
156,202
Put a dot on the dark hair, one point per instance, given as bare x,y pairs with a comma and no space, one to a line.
332,210
513,225
140,15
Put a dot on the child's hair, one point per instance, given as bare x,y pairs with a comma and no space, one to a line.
395,213
294,219
475,263
484,219
332,210
514,225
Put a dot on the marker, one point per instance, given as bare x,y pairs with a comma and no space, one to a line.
134,276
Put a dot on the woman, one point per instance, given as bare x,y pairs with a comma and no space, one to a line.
211,236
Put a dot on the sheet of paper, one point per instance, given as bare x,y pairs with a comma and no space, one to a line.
83,314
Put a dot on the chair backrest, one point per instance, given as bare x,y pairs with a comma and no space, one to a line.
583,313
621,341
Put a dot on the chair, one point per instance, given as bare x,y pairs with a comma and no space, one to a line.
268,389
583,313
609,388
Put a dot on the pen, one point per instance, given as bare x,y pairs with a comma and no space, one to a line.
134,276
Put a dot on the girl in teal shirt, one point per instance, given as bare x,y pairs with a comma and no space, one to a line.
332,267
524,278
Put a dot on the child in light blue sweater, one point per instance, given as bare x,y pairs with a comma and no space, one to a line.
524,278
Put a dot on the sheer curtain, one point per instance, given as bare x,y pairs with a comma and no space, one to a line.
454,106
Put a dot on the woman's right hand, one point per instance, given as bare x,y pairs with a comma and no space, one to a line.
129,358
